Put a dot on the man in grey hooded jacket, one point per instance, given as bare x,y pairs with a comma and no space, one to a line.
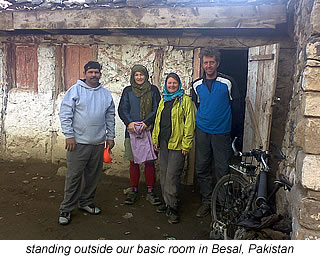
87,116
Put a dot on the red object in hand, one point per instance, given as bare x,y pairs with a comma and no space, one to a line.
106,155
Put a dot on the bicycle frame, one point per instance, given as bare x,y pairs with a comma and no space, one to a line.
256,188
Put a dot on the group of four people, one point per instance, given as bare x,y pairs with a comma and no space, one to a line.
87,118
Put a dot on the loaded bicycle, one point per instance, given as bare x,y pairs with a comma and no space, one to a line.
243,193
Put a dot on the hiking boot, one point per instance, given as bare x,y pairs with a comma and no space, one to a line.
152,197
203,211
173,217
162,208
131,198
64,218
91,209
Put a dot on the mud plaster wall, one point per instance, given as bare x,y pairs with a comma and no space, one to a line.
28,118
302,135
31,123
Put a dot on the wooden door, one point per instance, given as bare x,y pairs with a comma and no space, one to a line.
26,67
262,78
75,59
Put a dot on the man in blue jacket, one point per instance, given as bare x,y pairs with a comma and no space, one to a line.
87,116
218,102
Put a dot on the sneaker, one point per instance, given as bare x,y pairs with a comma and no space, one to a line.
64,218
203,211
91,209
131,198
152,197
173,217
162,208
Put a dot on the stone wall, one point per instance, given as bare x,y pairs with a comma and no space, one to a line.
302,137
30,119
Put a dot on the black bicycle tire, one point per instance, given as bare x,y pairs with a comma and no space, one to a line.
223,181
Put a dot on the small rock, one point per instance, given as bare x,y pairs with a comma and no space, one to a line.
158,228
12,172
127,190
127,233
19,213
34,178
128,215
26,182
119,222
62,171
51,197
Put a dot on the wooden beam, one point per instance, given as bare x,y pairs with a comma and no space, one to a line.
160,41
242,16
262,57
6,21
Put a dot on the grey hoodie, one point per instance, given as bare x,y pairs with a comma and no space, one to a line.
88,114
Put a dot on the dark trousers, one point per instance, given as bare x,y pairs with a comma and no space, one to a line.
171,168
211,147
84,171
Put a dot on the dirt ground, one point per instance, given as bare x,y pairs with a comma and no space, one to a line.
32,192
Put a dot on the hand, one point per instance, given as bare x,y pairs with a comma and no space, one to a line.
184,152
144,126
156,148
70,144
131,127
110,143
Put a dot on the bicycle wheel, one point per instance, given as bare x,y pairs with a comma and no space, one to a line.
228,201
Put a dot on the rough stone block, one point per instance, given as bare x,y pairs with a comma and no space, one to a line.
314,195
309,214
312,136
313,49
310,172
307,134
310,80
315,18
311,104
299,133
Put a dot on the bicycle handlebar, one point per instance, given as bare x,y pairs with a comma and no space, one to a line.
259,155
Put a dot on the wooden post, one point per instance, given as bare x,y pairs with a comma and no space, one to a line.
189,170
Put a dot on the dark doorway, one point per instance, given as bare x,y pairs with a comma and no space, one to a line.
234,63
